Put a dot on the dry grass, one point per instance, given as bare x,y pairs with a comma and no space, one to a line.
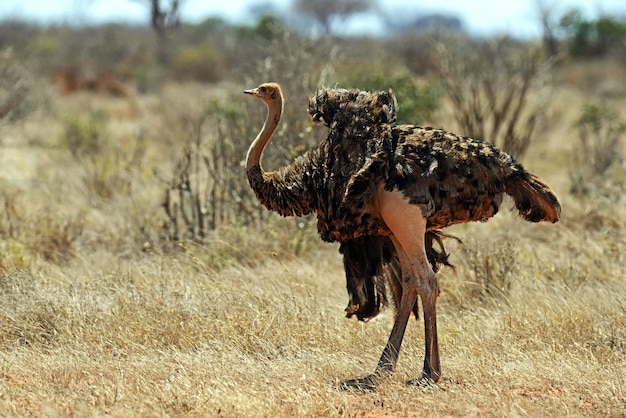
250,323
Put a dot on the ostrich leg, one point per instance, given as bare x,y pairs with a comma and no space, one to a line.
408,227
432,368
389,357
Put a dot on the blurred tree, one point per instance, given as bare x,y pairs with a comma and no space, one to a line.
549,26
326,11
267,27
426,24
593,37
164,18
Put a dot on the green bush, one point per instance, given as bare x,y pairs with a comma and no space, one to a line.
199,62
85,134
46,45
416,104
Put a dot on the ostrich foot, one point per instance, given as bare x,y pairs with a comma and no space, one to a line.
364,384
423,381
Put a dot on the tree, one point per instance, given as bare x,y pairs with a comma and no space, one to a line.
164,18
549,25
597,37
326,12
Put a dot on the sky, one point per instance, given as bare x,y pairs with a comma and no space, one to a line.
483,17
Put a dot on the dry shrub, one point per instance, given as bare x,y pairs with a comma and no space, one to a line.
492,268
55,238
500,91
12,252
10,213
107,166
598,154
486,269
25,235
19,93
208,187
210,211
206,197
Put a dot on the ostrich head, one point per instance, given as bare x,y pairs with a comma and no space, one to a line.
268,92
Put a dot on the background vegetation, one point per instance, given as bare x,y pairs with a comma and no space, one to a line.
140,277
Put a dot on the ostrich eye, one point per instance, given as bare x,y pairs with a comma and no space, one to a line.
262,89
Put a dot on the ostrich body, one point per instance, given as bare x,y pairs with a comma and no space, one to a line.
384,191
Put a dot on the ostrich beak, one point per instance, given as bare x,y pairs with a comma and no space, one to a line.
252,92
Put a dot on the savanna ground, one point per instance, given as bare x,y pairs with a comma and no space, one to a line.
107,309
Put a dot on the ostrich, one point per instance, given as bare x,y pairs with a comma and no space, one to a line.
384,192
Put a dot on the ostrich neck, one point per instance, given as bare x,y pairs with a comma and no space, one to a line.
274,111
286,191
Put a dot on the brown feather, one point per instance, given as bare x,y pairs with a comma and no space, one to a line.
534,199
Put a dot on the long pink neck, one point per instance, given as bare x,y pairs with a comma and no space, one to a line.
274,111
285,191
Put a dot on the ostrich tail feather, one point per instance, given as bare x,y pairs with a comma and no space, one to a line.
534,199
